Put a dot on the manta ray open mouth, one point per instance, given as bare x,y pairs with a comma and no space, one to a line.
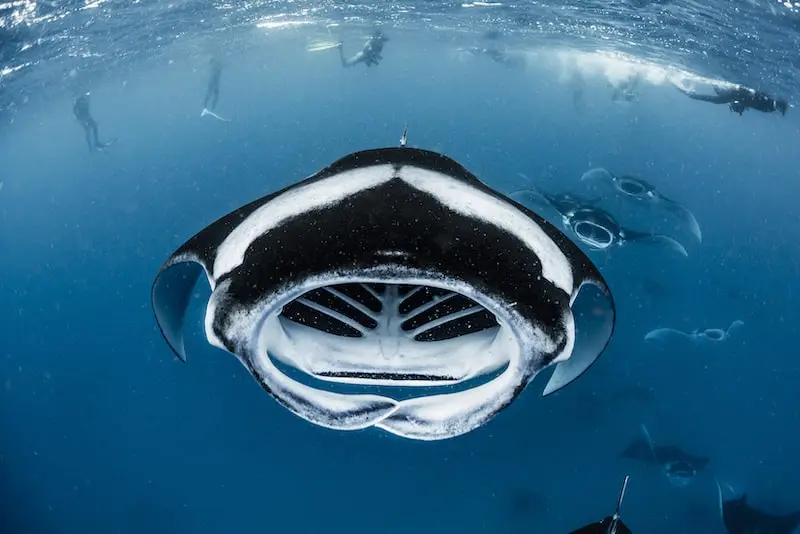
389,334
392,269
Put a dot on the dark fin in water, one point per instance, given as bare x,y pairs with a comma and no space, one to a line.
639,449
595,314
612,524
170,295
739,517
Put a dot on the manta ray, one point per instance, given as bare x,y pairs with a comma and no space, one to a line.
678,466
396,271
739,517
697,337
640,190
592,225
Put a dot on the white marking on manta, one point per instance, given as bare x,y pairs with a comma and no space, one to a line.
472,202
451,192
259,331
322,193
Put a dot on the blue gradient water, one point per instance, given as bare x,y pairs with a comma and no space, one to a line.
103,431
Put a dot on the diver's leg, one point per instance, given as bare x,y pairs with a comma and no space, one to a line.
714,99
97,143
88,134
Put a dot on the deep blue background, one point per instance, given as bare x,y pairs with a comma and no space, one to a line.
103,431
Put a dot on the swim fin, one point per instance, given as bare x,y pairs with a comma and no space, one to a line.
207,112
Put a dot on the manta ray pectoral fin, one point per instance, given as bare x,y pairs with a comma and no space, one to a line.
655,239
665,334
597,174
524,196
594,313
735,325
170,296
686,216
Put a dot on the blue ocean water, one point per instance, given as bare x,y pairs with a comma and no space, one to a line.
103,430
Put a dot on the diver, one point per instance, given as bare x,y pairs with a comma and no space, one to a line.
627,90
371,53
212,91
498,55
611,524
81,110
740,98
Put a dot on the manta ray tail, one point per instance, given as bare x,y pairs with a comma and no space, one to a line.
665,334
686,216
650,443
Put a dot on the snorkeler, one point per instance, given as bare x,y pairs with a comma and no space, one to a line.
741,98
371,53
627,90
212,91
498,55
81,110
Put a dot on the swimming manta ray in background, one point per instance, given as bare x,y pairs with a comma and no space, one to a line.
394,268
708,335
741,518
638,189
678,466
591,224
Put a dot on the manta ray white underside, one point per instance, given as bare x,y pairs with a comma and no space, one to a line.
398,271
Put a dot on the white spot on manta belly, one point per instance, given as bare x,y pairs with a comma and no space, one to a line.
472,202
320,194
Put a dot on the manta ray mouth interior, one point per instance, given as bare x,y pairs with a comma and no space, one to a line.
419,318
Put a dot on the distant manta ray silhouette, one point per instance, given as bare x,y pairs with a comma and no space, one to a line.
741,518
679,466
709,335
638,189
592,225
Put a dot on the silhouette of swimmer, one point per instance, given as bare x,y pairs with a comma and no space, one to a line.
627,90
212,91
81,110
371,53
741,98
498,55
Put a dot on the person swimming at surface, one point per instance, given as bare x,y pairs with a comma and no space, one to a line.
627,90
741,98
81,110
370,54
212,91
498,55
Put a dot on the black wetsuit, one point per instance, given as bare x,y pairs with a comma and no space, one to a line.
370,55
212,91
81,110
499,55
740,99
